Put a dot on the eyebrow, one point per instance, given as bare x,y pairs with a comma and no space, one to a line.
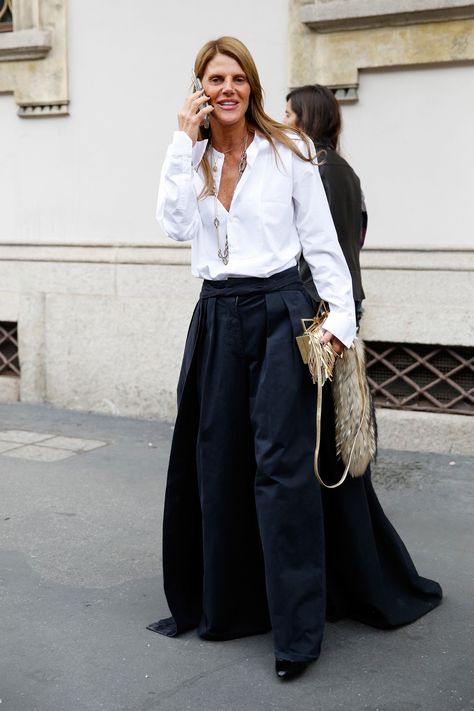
237,75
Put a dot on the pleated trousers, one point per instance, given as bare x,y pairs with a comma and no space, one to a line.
253,554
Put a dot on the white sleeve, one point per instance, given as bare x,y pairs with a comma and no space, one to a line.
321,248
177,209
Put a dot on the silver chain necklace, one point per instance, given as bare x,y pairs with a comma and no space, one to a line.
224,254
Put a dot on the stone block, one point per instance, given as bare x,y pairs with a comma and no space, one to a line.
337,15
9,389
31,347
9,304
23,436
25,44
122,356
335,58
426,432
34,58
5,446
409,306
74,444
57,277
38,454
172,285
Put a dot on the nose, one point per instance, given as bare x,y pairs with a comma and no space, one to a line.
228,87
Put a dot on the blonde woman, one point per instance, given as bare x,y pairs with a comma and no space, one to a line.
243,548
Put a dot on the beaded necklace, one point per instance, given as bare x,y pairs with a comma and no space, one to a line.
223,254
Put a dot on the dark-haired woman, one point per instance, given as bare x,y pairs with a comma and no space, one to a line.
315,110
369,573
243,547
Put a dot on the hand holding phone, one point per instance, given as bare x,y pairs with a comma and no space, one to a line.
198,87
195,112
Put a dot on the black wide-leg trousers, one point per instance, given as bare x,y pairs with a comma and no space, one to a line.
258,535
243,542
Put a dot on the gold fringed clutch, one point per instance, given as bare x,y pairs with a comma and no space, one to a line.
320,358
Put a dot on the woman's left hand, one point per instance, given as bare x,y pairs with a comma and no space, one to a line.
337,345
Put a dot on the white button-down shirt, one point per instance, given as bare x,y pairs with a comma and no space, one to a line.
279,209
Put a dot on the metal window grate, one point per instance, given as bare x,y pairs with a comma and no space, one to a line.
9,360
413,376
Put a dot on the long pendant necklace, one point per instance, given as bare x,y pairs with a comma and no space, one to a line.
224,254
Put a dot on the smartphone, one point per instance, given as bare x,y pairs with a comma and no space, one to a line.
198,87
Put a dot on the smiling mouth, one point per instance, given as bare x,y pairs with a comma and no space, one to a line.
228,105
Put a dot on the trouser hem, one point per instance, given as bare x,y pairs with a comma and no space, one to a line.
293,657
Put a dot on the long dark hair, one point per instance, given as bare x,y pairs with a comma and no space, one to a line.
318,114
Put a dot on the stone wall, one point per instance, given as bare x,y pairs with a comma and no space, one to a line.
102,328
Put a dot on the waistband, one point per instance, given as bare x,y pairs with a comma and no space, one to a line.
287,280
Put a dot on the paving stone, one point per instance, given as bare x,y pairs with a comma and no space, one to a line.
5,446
23,436
74,444
39,454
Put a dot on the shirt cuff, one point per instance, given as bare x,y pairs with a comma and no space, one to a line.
343,326
181,145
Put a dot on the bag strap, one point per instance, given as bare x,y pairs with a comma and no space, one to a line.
319,407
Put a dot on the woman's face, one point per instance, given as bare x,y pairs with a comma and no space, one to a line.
224,81
290,118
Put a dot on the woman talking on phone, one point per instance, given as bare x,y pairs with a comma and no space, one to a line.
243,548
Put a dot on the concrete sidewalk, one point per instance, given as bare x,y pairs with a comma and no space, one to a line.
80,565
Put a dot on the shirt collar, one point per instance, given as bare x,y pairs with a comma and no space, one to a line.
199,149
253,149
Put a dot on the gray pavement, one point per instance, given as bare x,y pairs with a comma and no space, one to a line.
81,578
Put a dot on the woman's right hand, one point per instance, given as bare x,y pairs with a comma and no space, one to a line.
191,116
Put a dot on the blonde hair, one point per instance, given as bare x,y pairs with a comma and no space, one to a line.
256,117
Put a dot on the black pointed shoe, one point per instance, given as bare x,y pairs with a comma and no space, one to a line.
286,670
